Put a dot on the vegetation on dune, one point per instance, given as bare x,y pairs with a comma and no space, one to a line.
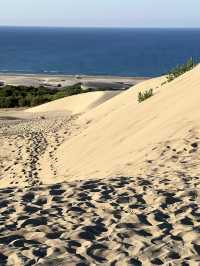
21,96
142,96
171,75
180,69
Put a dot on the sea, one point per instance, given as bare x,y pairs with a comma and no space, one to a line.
96,51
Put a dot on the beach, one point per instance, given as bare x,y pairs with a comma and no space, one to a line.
56,81
101,179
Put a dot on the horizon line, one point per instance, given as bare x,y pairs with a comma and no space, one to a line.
95,27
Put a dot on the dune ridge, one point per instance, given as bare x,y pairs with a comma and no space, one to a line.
111,182
121,131
75,104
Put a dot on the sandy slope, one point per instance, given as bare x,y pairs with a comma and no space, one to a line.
30,138
138,201
121,131
75,104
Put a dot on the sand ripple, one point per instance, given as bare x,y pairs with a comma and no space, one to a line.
116,221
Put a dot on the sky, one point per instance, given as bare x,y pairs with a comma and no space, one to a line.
100,13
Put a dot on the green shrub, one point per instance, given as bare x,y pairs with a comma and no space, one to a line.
180,70
142,96
21,96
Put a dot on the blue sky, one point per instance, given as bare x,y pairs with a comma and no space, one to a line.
97,13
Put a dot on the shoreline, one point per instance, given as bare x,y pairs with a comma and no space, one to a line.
53,81
13,74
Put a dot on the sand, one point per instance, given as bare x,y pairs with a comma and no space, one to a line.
100,180
52,81
30,138
128,131
75,105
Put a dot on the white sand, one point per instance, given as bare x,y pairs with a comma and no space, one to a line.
75,104
115,82
101,182
121,131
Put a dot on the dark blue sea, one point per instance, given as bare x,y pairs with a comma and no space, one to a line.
95,51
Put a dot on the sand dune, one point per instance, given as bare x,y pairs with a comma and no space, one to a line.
121,131
92,181
75,104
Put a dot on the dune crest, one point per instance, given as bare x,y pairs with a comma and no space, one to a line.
134,198
121,131
75,104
